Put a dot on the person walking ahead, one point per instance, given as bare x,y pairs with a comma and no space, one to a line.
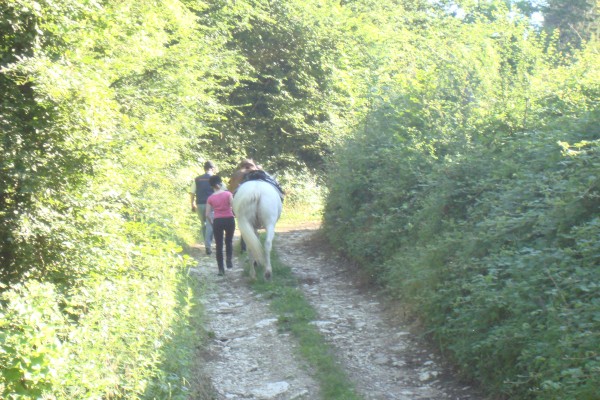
219,209
200,192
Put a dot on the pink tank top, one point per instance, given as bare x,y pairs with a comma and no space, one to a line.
221,204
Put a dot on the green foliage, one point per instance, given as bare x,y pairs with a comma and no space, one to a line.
284,110
575,21
32,333
472,193
303,196
101,105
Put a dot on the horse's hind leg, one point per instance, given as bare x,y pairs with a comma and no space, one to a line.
251,262
252,269
268,245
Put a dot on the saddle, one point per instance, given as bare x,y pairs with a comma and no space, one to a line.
261,175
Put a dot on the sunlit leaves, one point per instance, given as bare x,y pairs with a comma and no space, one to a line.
101,101
468,192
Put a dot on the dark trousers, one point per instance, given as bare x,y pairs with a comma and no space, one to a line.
224,227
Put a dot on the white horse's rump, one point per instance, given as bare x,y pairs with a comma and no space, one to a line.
257,205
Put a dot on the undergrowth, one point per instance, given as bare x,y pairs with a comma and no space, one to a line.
491,237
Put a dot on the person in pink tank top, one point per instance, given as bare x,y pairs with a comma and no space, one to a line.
219,208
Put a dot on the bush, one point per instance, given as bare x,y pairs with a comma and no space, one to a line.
32,336
491,240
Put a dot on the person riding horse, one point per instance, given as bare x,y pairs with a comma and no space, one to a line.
248,170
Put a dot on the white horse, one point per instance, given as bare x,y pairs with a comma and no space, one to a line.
257,204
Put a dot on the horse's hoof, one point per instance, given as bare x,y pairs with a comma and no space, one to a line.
268,276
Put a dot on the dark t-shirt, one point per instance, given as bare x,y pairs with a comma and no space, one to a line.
203,188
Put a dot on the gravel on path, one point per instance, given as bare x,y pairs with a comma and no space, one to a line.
247,357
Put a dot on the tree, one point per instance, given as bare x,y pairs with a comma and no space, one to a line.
576,21
283,111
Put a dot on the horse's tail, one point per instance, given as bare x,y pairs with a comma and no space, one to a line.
247,214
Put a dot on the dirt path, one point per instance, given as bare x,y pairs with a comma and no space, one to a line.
249,359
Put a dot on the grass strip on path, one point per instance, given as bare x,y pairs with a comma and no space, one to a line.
295,315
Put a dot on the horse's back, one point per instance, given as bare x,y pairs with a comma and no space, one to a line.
264,196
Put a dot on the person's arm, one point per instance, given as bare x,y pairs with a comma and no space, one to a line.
193,195
209,214
192,198
231,204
